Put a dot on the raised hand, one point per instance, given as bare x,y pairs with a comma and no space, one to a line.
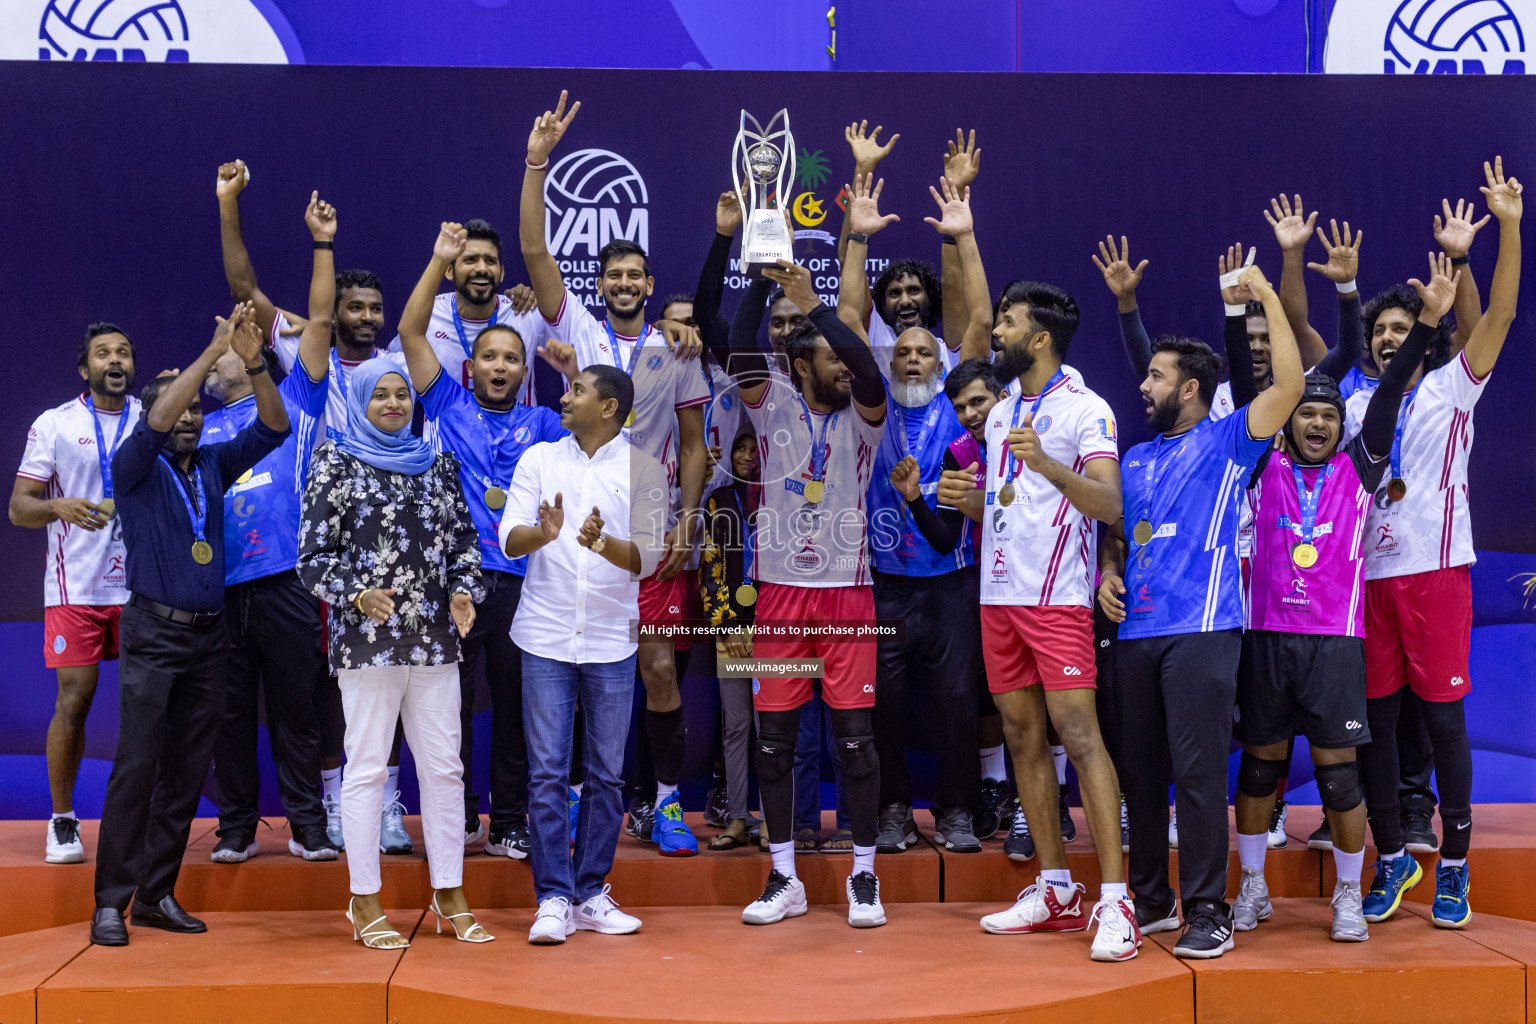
1111,587
963,160
1343,253
462,610
378,604
246,337
796,282
867,151
561,355
523,298
1257,284
864,208
1237,294
320,218
591,529
224,332
548,128
1292,227
1501,194
452,238
233,177
907,478
727,213
551,518
1115,264
1440,292
954,209
1455,233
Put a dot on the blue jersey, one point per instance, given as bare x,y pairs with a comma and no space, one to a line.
1186,578
261,507
896,544
1356,380
489,443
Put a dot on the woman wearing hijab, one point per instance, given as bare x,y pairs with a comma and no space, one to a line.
386,539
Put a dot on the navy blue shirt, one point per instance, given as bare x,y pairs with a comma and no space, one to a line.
489,443
261,510
157,529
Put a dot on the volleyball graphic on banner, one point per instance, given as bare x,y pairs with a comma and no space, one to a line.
147,31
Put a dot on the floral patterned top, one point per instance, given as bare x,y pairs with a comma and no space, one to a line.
365,527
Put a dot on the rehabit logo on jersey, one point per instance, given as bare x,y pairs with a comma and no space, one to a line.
1429,37
157,31
591,197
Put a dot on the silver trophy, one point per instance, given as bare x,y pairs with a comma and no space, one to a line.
764,155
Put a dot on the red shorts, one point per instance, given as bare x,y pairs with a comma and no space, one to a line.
848,680
1027,644
663,600
79,634
1418,633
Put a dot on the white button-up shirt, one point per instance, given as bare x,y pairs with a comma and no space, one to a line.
577,607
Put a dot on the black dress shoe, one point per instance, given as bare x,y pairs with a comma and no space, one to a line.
107,927
166,914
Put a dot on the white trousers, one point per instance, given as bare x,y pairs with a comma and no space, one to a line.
426,698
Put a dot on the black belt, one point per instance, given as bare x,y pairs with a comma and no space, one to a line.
175,615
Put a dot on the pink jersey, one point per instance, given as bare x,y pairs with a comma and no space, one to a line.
1325,597
966,450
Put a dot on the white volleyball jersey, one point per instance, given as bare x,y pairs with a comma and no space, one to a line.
1431,528
84,566
443,336
799,542
1038,549
335,421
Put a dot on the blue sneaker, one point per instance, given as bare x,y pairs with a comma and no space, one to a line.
575,801
669,832
1393,880
1451,907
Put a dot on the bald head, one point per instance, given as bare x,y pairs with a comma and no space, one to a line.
915,367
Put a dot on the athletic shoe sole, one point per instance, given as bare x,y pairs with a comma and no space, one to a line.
1021,858
553,940
510,852
1171,923
297,849
865,922
1418,875
1441,923
583,926
798,911
1064,925
1422,847
65,858
234,856
1320,844
1203,954
1112,958
396,851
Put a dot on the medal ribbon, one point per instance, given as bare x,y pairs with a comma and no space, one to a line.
1397,434
748,542
1146,509
820,448
1013,463
493,444
102,452
1309,499
458,324
197,509
634,355
709,409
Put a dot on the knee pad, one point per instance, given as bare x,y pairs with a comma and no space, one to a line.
1339,786
1259,776
775,761
857,753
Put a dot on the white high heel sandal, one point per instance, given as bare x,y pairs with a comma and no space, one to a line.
373,939
474,933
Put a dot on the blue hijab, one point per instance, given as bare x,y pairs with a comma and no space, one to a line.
399,451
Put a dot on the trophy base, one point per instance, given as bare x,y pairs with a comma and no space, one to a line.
754,266
764,242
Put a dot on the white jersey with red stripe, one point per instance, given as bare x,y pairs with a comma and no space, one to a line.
1038,549
799,542
286,346
663,383
443,336
1431,528
84,566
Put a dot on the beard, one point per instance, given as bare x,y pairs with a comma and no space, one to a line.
180,444
103,385
617,311
1012,363
827,395
916,396
346,336
1164,415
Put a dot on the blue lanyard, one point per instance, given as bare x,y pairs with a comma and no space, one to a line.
341,377
1309,499
1151,480
493,444
819,446
197,509
923,435
634,355
1013,463
458,324
102,452
1397,433
709,410
748,541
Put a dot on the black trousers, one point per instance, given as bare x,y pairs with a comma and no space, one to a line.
490,653
1446,725
170,704
276,646
1175,695
942,634
1415,756
1105,634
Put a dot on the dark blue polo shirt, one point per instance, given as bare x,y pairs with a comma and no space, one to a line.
157,530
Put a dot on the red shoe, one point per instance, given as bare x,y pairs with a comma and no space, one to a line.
1039,909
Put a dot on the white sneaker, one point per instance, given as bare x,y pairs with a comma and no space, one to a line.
64,845
1118,938
1173,830
601,914
864,907
1277,836
553,923
474,838
782,897
1039,909
1252,904
332,805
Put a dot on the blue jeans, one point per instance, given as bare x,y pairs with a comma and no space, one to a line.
808,748
551,690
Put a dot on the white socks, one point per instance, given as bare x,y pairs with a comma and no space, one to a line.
663,791
993,765
1061,878
1109,892
863,859
1251,849
783,855
1393,856
1059,755
66,814
330,783
392,784
1347,866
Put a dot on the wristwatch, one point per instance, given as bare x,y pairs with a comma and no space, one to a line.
600,543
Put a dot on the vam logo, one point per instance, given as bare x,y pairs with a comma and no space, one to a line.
1428,37
591,197
176,31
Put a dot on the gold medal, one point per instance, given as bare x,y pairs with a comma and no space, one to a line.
1005,496
746,595
1143,532
630,421
814,492
202,552
1397,488
495,497
1304,555
107,506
